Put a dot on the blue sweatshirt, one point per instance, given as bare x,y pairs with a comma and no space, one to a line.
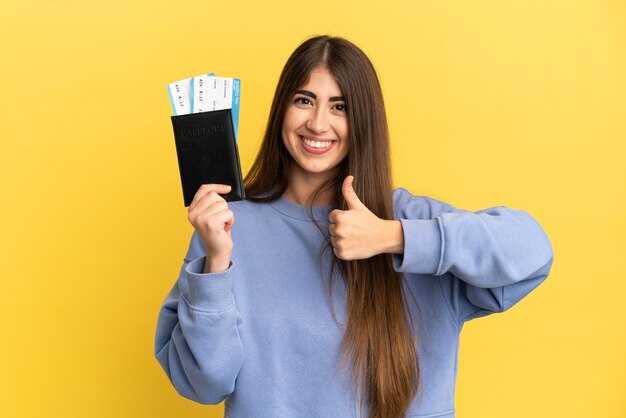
262,337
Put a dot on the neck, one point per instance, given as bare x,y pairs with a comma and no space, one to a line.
302,185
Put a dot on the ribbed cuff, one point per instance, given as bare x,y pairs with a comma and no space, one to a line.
422,247
208,291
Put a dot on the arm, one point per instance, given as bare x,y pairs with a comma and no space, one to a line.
197,340
488,260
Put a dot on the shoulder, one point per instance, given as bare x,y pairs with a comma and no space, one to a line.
408,205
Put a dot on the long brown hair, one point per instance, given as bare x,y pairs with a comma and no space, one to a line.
379,343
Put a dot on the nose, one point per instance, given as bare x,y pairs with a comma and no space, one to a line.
318,121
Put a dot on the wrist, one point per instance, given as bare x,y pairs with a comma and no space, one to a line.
393,237
215,266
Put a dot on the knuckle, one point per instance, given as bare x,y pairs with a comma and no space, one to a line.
218,206
203,220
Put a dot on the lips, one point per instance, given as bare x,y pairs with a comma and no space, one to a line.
314,146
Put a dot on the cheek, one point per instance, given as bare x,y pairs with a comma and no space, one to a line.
345,133
287,138
290,120
286,128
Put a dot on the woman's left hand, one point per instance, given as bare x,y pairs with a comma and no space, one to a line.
357,233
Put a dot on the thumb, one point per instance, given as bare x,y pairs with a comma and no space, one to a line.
350,195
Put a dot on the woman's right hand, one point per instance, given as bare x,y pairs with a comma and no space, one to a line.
212,219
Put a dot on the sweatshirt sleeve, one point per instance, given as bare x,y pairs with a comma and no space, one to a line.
486,261
197,339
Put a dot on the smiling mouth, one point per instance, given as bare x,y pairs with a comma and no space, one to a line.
319,145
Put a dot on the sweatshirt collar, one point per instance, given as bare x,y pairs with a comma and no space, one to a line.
300,212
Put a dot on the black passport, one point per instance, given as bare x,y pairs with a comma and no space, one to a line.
207,153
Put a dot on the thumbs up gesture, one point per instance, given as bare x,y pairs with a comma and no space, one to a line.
357,233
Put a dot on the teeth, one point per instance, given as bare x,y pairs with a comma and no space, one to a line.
316,144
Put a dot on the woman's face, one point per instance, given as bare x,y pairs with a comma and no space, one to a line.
315,128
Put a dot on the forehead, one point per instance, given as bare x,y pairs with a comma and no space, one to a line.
322,82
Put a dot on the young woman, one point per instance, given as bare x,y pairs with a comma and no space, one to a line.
334,295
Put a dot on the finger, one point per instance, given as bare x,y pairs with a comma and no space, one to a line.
208,205
227,216
207,188
222,220
350,195
216,207
332,228
208,216
229,225
205,201
339,253
332,216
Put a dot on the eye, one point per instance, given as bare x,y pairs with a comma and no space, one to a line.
341,107
302,100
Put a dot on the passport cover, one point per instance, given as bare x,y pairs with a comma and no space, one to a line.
207,153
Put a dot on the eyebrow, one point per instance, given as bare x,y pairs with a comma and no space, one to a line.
313,96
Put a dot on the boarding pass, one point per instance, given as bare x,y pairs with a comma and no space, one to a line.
205,93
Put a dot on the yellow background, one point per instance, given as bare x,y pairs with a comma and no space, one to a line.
516,103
